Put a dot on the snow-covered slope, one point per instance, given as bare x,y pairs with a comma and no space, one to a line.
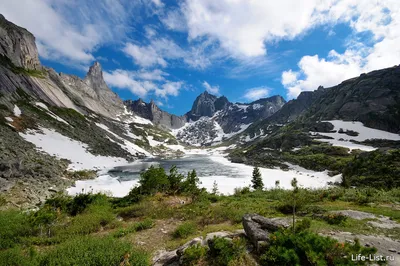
54,143
204,132
345,132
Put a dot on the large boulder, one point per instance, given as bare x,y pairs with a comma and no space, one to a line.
258,228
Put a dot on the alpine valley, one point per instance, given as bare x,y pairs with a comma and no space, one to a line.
87,178
58,128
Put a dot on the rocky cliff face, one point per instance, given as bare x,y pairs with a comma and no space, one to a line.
206,105
153,113
21,71
18,45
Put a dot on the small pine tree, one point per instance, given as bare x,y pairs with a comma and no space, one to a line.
175,180
256,180
215,188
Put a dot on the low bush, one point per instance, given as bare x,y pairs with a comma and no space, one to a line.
16,257
14,226
226,252
307,248
139,226
184,230
91,220
94,251
335,218
194,255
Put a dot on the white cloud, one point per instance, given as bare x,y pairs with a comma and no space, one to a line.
211,89
381,18
169,88
150,31
256,93
243,26
174,20
160,50
158,3
155,74
123,79
141,83
289,77
70,30
144,56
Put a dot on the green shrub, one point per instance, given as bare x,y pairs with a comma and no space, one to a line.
303,225
17,257
224,252
175,180
91,220
307,248
194,254
139,226
134,211
184,230
241,191
335,218
94,251
14,226
81,201
378,169
153,180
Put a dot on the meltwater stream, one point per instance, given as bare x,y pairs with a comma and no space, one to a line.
228,176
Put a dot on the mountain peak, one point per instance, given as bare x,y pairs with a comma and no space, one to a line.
95,70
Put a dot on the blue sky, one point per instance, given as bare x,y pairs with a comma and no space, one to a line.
172,51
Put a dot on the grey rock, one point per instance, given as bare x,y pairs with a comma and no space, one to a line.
164,257
153,113
18,45
210,236
195,241
258,228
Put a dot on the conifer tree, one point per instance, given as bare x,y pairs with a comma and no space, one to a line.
256,180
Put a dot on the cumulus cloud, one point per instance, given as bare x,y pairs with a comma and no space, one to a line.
70,30
169,88
211,89
162,49
142,82
381,18
144,56
243,27
256,93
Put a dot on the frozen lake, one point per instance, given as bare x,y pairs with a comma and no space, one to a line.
119,180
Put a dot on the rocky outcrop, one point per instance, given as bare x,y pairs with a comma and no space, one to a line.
18,45
21,72
153,113
258,228
206,105
174,257
92,92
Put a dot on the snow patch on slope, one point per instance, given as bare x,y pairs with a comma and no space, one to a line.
62,147
56,117
17,111
127,145
129,117
364,133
